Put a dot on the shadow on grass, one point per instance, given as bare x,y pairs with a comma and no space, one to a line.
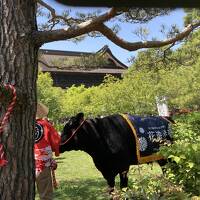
86,189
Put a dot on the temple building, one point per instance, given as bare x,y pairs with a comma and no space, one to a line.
69,68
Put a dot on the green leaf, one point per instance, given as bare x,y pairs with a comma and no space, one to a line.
176,159
191,164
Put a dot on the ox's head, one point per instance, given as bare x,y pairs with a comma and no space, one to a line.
69,132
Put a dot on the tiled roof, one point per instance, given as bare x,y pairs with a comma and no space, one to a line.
62,61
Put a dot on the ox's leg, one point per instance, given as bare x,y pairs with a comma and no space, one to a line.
111,184
162,164
124,179
110,181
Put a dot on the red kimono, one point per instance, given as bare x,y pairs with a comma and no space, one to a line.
47,141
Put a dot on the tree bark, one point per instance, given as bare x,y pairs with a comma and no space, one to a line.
18,66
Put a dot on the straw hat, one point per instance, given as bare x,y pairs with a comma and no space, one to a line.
42,110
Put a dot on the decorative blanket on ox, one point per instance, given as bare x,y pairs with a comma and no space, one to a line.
150,133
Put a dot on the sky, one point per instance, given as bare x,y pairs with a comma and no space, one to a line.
126,32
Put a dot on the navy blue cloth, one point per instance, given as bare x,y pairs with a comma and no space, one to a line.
152,132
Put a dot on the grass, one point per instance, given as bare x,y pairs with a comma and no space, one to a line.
78,178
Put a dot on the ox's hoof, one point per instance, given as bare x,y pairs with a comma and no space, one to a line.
110,190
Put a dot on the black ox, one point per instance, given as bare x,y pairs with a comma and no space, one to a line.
112,142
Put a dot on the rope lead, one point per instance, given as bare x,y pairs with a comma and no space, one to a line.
5,119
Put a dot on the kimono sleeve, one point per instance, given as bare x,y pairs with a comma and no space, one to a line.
54,139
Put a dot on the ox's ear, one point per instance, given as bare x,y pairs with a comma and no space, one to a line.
80,117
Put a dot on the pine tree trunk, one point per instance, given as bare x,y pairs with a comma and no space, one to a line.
18,65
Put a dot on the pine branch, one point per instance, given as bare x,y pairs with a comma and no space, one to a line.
107,32
88,26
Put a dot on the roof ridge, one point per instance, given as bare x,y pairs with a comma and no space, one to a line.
105,49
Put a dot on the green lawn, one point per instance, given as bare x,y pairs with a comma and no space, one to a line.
78,178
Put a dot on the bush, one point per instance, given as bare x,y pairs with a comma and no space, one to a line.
150,184
185,154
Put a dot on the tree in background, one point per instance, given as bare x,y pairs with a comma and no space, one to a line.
49,95
135,93
20,40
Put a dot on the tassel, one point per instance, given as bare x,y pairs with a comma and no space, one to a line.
3,123
55,184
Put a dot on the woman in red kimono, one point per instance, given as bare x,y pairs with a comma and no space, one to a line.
47,141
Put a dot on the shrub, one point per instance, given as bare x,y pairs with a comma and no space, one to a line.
185,154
